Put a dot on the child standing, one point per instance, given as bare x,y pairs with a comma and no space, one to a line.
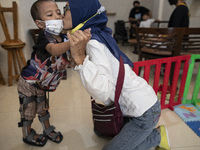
43,72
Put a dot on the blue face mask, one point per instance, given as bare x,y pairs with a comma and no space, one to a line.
173,2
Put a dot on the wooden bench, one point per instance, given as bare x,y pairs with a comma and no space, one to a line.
155,43
133,40
190,41
166,42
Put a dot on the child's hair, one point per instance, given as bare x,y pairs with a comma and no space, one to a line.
144,15
35,9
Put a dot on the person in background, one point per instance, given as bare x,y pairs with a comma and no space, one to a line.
135,16
138,11
178,18
146,21
180,15
98,67
43,72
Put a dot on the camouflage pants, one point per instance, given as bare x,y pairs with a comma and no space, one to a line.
29,111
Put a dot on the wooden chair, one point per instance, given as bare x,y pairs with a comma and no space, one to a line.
134,43
166,42
158,23
13,46
133,40
191,41
34,34
158,42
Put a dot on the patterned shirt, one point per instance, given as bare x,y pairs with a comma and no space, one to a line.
43,70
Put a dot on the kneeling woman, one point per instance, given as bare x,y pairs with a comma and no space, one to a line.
98,68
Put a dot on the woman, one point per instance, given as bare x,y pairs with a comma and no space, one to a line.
98,69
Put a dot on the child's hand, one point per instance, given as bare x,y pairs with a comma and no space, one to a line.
78,41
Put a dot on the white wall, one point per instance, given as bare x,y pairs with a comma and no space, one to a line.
122,9
160,9
194,6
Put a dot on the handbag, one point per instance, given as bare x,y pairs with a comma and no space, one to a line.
108,120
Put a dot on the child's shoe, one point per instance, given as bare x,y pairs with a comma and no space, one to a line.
164,143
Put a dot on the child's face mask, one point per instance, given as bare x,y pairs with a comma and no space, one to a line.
54,26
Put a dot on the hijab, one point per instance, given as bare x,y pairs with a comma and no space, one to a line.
82,10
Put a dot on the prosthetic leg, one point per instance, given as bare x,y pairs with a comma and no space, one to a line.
26,124
49,131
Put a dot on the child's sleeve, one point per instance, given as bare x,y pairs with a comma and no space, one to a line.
42,41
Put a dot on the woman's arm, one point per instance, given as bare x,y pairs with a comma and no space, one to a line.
96,73
94,68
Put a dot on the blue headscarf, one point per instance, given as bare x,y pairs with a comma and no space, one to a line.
81,10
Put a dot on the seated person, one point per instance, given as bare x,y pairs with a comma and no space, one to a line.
135,16
146,21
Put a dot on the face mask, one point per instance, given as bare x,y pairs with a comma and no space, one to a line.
54,26
173,2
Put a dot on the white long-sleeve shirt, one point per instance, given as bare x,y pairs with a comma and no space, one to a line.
147,23
99,74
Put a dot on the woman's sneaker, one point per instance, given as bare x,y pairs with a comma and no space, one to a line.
164,143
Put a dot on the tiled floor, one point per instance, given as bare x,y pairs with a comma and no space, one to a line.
71,114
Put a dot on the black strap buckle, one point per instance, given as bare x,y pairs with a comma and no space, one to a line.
20,124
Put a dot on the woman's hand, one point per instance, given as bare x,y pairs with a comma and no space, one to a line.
78,41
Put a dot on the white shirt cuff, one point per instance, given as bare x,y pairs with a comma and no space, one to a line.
79,67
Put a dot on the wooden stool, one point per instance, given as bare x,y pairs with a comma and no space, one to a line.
13,46
1,79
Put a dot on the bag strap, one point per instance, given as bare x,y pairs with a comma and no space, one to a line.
120,81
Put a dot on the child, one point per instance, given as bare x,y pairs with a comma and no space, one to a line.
146,21
42,73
